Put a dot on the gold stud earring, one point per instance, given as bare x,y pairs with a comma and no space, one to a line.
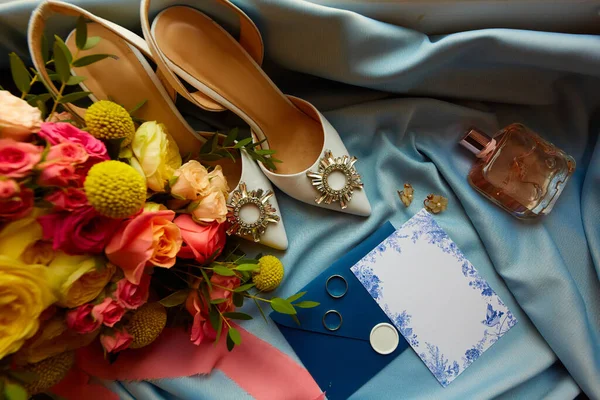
406,195
435,204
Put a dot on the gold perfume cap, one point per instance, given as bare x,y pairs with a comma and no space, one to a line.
475,140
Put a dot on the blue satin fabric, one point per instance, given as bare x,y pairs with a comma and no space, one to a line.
401,101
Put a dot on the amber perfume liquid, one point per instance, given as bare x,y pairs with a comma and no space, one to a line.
518,170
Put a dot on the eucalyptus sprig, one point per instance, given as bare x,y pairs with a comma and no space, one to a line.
220,146
63,61
242,268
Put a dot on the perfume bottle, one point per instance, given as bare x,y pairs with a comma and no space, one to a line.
518,170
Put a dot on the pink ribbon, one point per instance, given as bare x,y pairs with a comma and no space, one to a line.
256,366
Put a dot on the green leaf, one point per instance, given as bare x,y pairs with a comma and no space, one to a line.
223,271
175,299
214,317
13,391
231,136
45,49
62,60
235,336
230,344
247,261
23,376
242,143
75,80
219,330
243,288
54,77
91,42
247,267
209,157
206,279
80,33
218,301
137,107
237,315
64,48
19,73
296,320
261,311
265,152
71,97
173,180
42,107
282,306
209,145
92,58
295,297
33,100
238,299
307,304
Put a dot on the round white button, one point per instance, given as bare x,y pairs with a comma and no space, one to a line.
384,338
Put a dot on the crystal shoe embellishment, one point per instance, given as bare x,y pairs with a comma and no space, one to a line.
258,198
320,179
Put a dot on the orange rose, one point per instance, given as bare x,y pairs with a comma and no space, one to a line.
192,181
150,238
210,208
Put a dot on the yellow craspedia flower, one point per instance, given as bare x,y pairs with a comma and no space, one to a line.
49,371
108,120
146,324
24,294
115,189
270,274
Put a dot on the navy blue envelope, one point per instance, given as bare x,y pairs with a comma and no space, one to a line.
340,361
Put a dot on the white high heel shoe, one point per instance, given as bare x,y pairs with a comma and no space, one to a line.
316,168
129,80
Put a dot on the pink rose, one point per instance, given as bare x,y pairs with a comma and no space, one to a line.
192,181
201,328
68,199
8,189
212,208
57,174
58,132
18,120
132,296
67,152
18,159
200,242
229,282
78,232
16,206
109,312
81,319
150,238
117,341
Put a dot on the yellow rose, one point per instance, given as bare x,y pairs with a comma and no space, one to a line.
210,208
54,337
192,181
18,119
156,155
78,279
24,294
18,235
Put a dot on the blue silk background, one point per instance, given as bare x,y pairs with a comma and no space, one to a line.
401,101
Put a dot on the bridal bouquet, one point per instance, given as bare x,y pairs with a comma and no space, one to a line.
108,235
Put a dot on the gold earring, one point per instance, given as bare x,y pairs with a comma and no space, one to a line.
406,196
435,204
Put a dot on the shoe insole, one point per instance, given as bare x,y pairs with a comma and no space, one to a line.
127,82
201,48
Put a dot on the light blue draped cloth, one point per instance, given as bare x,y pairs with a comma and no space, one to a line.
401,100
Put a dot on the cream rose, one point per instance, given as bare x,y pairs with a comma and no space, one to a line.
217,180
18,119
24,294
192,181
210,208
156,155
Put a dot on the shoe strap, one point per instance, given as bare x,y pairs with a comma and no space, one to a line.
250,39
35,33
